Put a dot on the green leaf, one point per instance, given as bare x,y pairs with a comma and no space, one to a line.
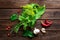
25,26
33,22
13,17
16,28
40,11
21,18
28,33
28,6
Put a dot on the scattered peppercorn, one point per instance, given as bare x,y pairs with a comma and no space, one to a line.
8,28
8,34
18,11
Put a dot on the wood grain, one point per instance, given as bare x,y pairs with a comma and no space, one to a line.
12,3
8,7
53,35
49,3
18,3
49,14
5,23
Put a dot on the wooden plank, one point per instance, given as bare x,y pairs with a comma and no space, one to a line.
50,35
54,26
18,3
49,14
49,0
48,3
5,23
12,3
6,13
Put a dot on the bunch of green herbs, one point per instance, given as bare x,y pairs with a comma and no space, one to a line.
30,13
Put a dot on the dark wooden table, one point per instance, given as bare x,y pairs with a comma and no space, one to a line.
8,7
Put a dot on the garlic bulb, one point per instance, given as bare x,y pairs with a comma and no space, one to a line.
43,30
36,31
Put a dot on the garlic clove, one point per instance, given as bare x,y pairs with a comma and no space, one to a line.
43,30
36,31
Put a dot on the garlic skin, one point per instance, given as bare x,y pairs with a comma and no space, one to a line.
36,31
43,30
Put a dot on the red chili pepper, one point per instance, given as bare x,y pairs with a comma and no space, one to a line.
46,23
